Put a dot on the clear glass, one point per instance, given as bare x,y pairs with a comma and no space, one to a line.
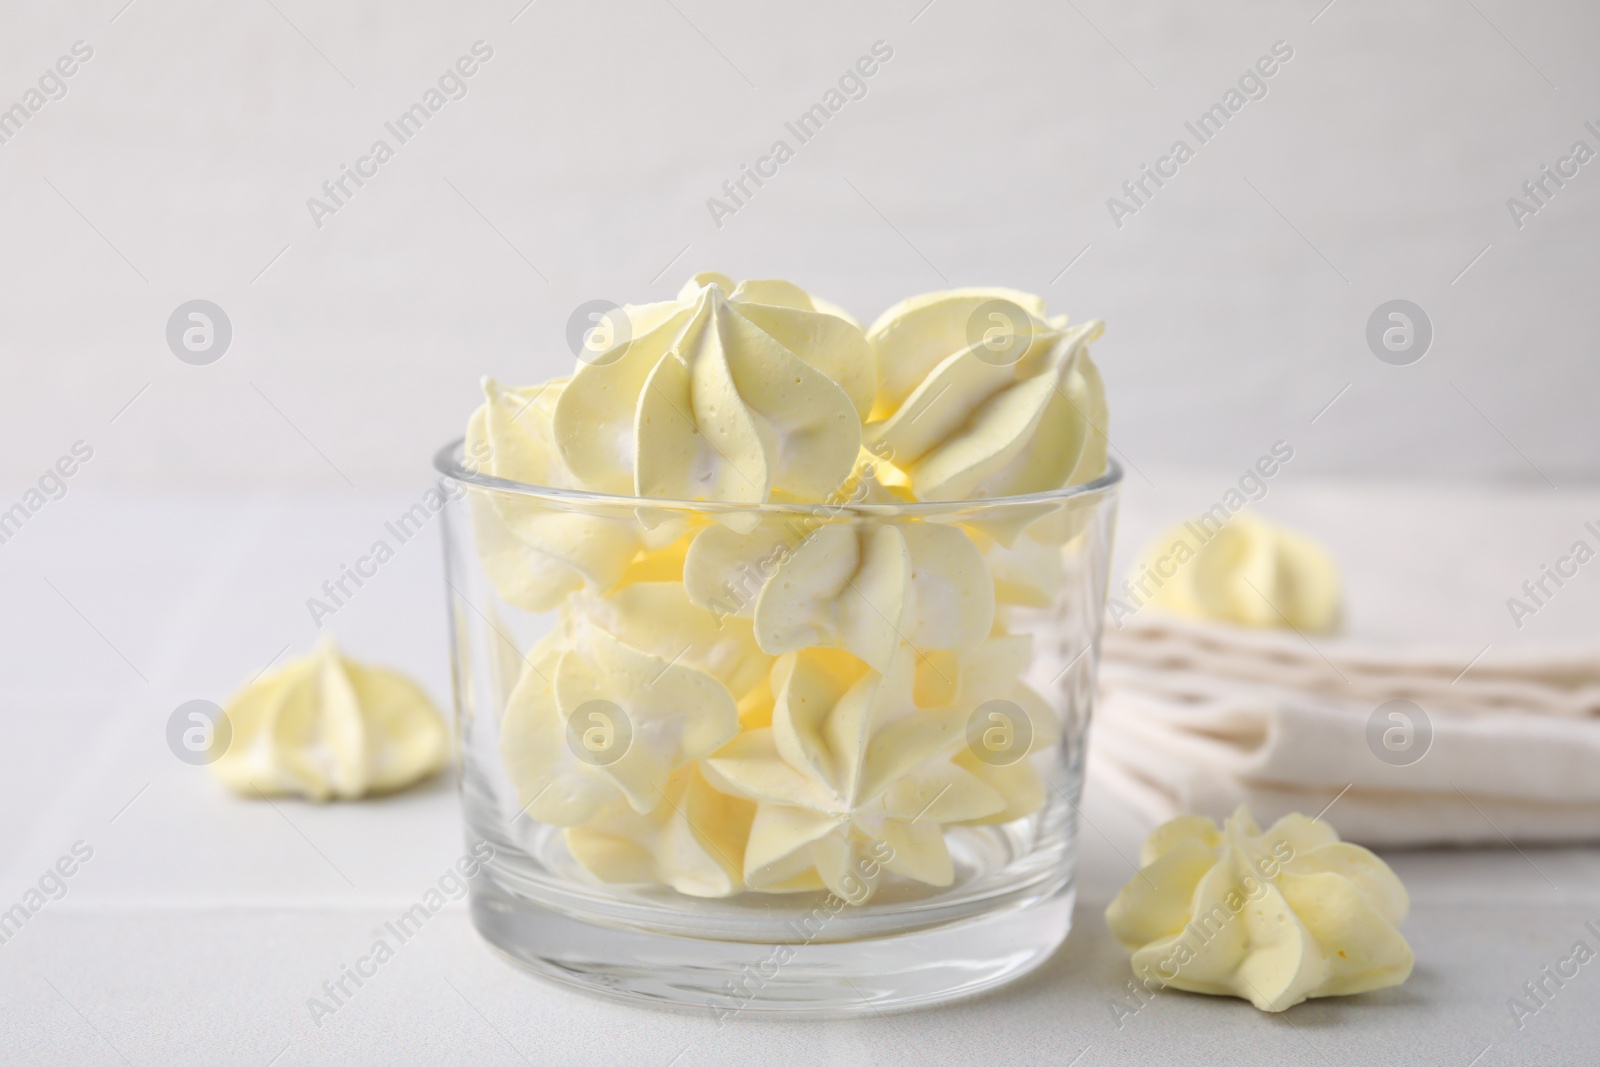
630,813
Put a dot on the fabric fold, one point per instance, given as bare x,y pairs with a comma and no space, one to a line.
1203,717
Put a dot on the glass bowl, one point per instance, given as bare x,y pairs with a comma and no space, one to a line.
779,759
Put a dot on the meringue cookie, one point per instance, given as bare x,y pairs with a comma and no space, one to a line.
536,553
327,728
865,587
743,395
693,841
726,566
593,720
725,569
839,352
860,586
734,702
1274,918
1251,572
849,765
963,424
912,338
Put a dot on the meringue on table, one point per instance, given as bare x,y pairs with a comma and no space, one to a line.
1274,917
328,728
1249,572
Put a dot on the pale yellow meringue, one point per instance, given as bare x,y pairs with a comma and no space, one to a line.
533,552
992,672
733,701
862,586
659,619
1274,917
594,720
964,422
1250,572
854,768
740,393
327,728
693,841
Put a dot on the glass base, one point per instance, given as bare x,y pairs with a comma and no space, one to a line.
802,977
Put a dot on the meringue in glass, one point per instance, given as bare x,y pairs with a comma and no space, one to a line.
771,633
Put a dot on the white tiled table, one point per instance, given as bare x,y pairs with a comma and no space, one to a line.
203,923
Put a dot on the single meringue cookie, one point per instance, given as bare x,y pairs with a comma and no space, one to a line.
594,720
327,728
1274,917
1250,572
867,587
726,566
864,586
694,842
730,393
851,777
536,553
964,420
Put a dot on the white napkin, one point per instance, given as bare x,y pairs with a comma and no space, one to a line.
1201,717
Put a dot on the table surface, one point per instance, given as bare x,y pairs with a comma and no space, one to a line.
202,923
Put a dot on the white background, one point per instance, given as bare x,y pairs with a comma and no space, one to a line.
579,164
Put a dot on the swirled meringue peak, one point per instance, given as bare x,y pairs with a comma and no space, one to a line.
742,393
1274,917
982,395
327,728
860,586
851,776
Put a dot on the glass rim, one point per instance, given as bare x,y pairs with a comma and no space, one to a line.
448,462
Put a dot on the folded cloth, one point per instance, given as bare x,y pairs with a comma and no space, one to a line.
1199,717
